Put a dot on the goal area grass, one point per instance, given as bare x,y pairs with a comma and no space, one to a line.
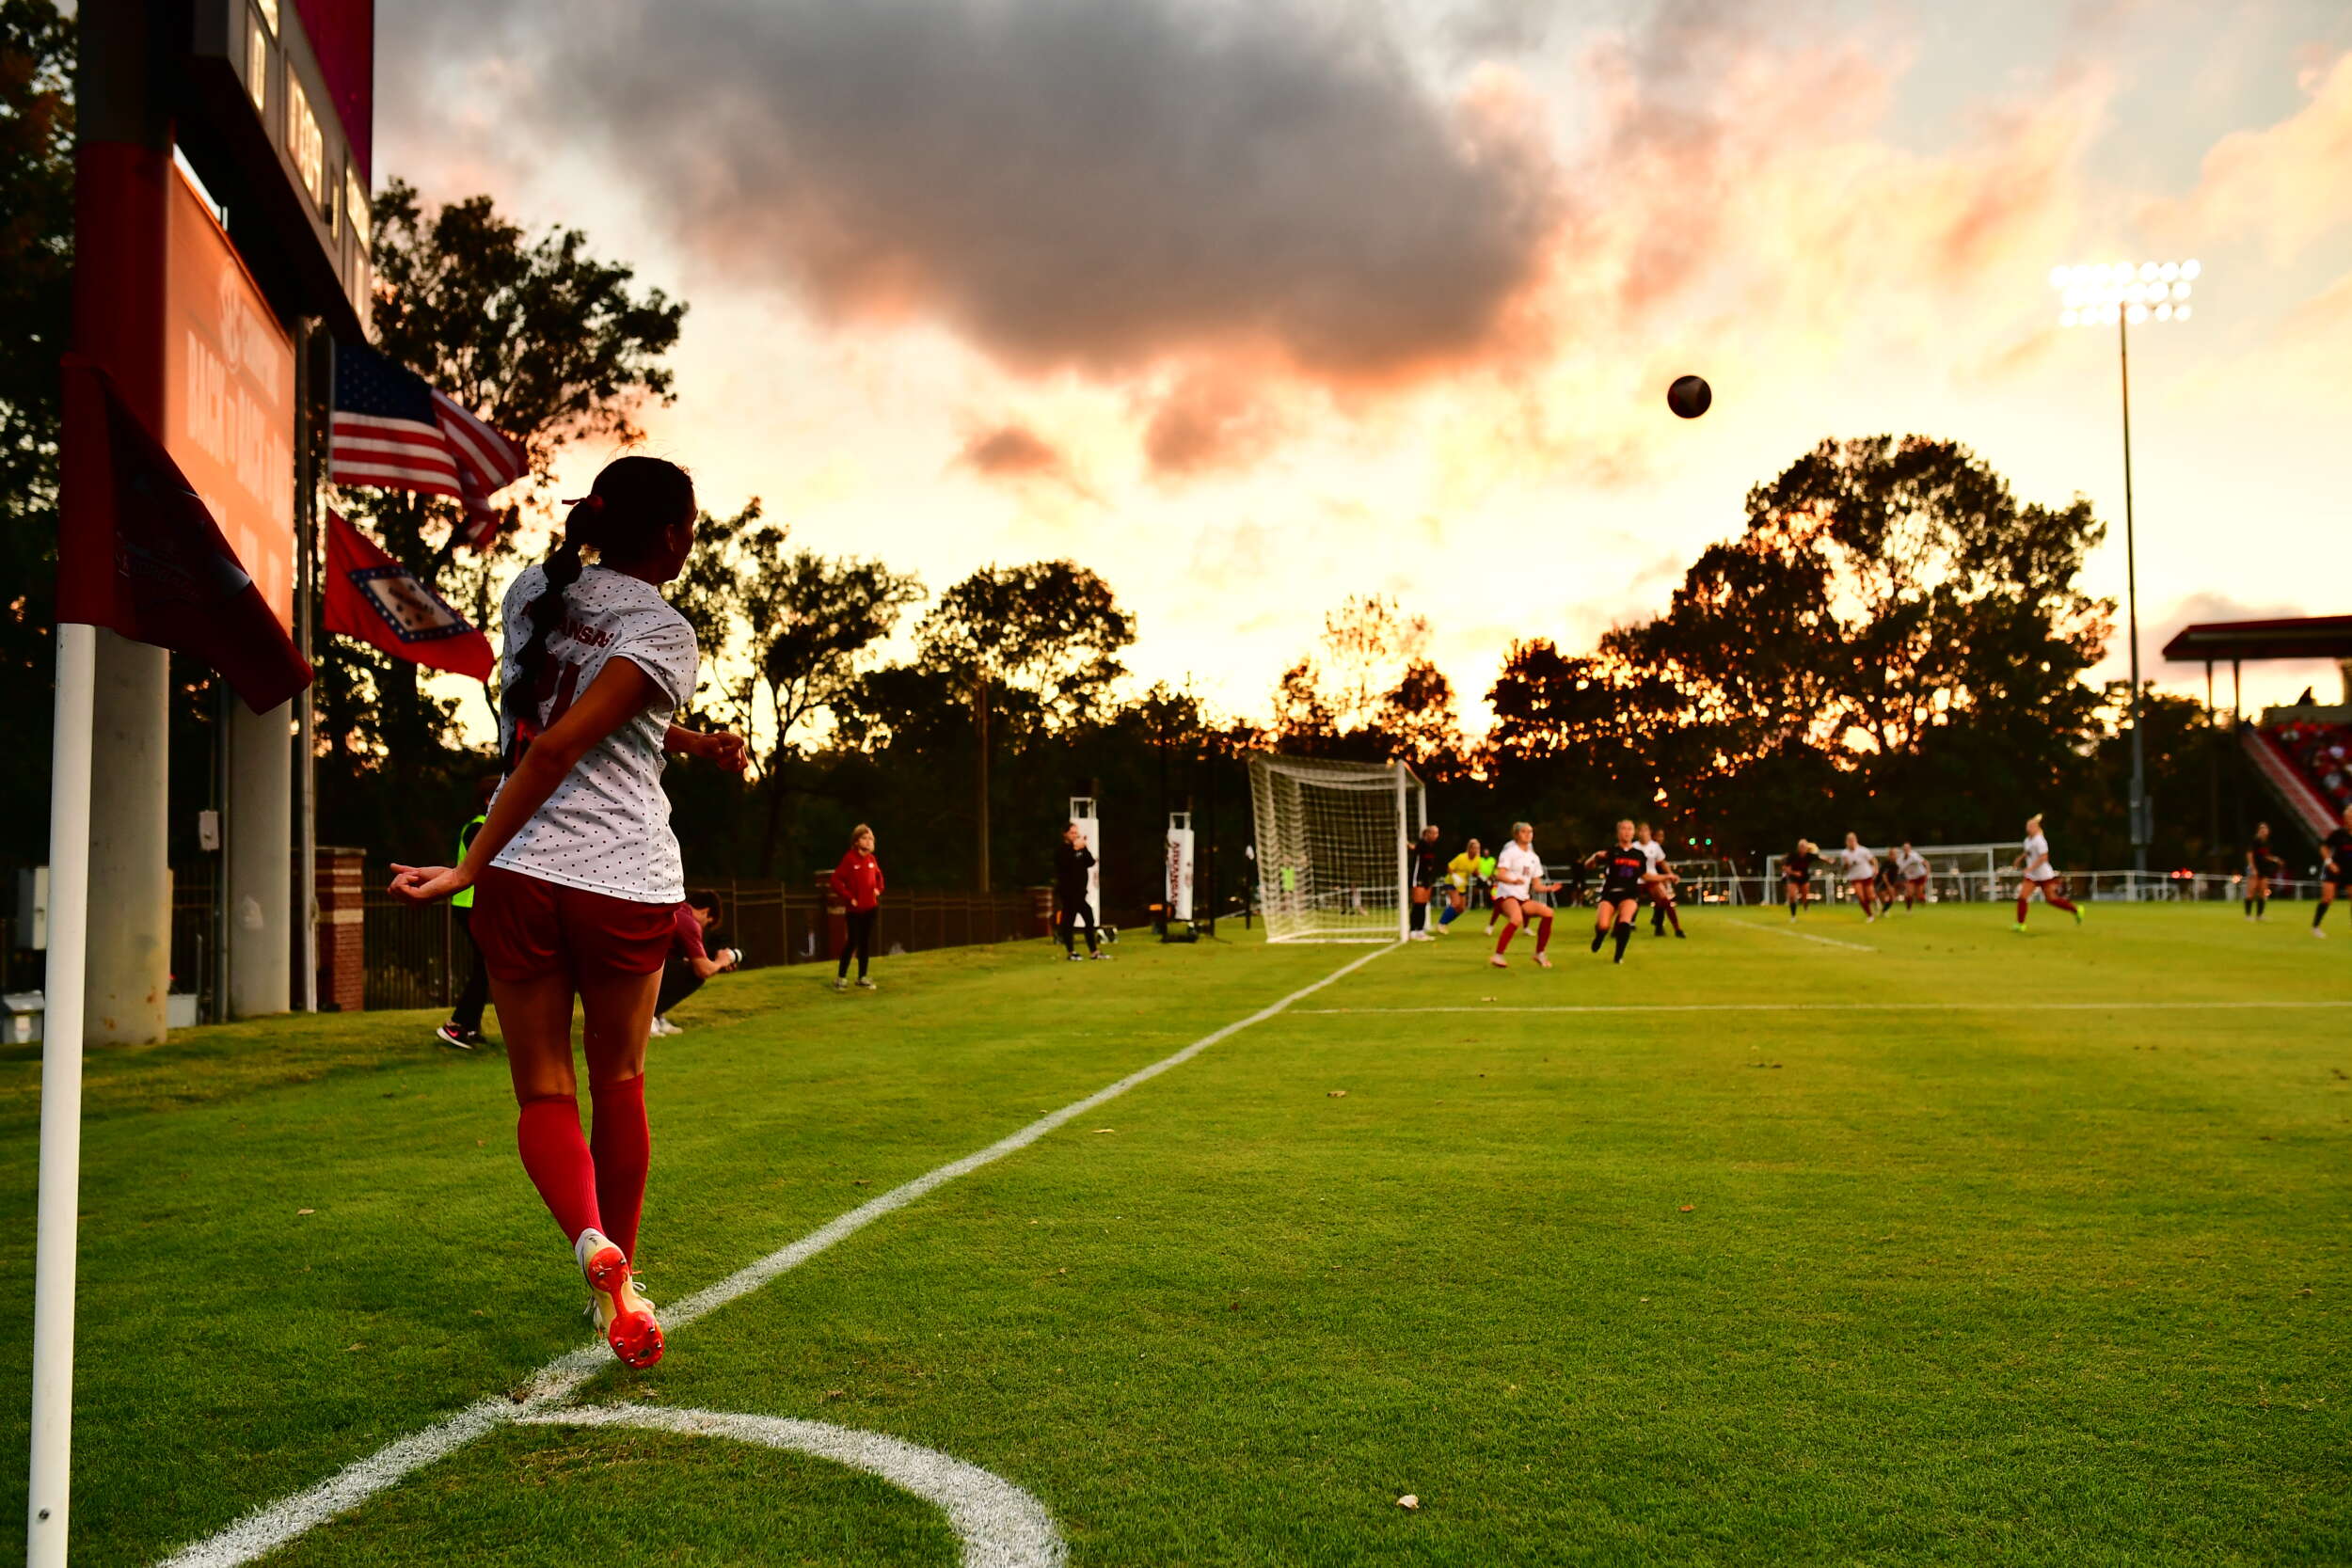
1938,1244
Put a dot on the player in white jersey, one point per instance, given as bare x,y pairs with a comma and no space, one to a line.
576,873
1519,889
2041,875
1862,875
1912,867
1662,888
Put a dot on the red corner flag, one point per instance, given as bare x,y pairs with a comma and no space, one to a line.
138,552
374,598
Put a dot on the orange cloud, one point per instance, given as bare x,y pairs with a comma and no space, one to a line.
2289,184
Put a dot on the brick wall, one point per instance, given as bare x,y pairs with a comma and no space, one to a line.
343,888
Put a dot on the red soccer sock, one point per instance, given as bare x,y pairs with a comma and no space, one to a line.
556,1158
2059,901
623,1147
2021,908
1543,933
1504,941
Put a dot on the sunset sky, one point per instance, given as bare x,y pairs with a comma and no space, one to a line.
1251,306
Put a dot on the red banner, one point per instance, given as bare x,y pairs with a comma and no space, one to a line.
374,598
138,552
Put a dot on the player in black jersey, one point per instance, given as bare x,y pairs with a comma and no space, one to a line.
2335,869
1625,881
1796,875
2262,864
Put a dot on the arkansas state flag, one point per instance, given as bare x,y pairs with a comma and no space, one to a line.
374,598
138,552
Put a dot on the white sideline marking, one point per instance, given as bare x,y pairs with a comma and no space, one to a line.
1801,936
1000,1525
273,1525
2002,1007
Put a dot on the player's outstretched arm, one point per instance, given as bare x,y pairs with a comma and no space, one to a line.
618,694
724,747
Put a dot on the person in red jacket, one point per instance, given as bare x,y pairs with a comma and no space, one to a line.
857,881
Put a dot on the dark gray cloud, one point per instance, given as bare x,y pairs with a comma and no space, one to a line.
1087,183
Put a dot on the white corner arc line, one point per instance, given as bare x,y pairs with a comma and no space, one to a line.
999,1524
1801,936
2008,1005
273,1525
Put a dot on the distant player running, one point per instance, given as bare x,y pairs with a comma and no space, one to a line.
1862,875
1910,867
1796,875
576,872
2041,876
2262,864
1625,881
2335,870
1518,889
1661,890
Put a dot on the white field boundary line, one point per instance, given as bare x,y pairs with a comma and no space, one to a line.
999,1524
2003,1007
273,1525
1801,936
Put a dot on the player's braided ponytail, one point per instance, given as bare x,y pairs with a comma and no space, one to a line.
623,516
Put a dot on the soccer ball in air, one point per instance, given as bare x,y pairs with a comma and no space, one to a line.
1689,396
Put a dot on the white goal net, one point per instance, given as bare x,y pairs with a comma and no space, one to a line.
1331,841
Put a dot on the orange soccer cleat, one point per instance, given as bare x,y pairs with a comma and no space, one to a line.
626,1318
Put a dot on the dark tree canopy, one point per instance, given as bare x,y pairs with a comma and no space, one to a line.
1051,629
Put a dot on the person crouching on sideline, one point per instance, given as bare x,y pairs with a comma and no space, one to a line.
687,966
1429,863
857,881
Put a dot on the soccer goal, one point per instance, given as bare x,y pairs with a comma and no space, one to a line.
1332,840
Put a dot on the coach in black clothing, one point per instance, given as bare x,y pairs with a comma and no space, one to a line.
1072,860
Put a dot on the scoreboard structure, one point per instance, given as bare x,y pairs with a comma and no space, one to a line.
221,234
277,98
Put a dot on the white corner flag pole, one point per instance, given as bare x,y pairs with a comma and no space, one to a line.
61,1096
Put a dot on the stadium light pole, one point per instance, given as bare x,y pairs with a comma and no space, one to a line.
2121,295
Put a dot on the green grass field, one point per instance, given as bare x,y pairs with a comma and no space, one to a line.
2047,1264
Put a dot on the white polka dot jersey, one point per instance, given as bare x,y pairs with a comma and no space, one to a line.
607,825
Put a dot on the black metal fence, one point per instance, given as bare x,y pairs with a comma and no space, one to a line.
419,957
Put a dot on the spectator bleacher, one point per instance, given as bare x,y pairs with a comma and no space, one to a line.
2322,753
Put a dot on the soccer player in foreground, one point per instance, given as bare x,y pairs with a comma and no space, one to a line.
1625,879
2041,876
1519,878
1662,887
576,872
1862,875
2335,870
1796,875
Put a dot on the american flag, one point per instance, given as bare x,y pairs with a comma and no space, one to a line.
395,433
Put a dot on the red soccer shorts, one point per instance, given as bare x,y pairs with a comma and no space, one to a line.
528,928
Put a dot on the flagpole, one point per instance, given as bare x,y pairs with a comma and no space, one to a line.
61,1096
305,765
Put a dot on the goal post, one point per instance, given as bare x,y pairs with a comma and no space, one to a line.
1334,846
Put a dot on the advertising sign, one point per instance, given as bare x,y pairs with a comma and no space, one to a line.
229,397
